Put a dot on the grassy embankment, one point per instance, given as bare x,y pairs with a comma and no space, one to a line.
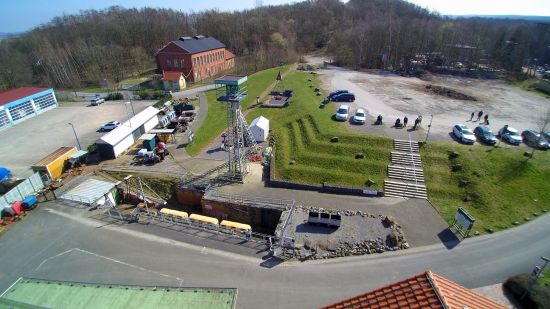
303,132
214,123
500,188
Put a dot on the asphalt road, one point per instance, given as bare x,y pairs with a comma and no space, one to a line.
62,243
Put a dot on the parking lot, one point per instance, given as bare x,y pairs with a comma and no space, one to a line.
27,142
395,96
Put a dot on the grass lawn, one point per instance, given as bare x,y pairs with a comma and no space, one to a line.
135,80
303,131
93,90
214,123
502,185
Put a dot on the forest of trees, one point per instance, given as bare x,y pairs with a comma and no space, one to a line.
75,51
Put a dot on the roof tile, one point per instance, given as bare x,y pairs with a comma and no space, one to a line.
425,290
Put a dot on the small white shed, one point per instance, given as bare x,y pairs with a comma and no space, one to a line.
260,128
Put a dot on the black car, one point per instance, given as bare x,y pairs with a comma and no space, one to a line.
534,139
344,97
485,135
335,93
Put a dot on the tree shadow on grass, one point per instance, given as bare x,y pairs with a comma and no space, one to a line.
514,169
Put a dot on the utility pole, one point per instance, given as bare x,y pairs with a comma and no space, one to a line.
429,127
76,136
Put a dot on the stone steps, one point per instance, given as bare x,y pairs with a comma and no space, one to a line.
405,173
406,146
404,189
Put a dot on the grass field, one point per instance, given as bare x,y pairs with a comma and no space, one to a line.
214,123
303,131
502,186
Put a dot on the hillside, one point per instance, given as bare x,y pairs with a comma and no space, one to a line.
73,51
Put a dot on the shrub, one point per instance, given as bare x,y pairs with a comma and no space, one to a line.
538,296
114,96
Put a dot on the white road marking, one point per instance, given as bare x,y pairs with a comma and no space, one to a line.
180,280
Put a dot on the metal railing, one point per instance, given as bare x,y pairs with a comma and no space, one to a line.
277,204
137,214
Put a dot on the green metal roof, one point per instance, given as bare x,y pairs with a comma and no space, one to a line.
60,294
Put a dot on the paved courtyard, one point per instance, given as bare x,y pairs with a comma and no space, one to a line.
29,141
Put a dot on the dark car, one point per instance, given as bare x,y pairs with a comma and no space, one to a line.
546,135
344,97
335,93
534,139
485,135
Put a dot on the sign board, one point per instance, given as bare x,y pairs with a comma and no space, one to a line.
464,218
463,222
288,242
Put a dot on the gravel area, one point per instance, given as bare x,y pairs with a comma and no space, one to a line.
359,233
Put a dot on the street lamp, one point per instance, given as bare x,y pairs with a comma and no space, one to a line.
76,136
429,127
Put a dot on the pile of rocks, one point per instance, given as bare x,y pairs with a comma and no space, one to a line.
350,246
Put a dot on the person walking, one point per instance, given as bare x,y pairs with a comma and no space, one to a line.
472,116
479,115
416,123
486,119
405,120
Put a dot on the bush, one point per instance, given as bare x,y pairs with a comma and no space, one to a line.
149,94
92,148
114,96
538,296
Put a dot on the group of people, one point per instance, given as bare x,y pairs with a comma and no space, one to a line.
479,115
398,123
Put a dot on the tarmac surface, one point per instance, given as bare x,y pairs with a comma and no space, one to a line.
27,142
59,242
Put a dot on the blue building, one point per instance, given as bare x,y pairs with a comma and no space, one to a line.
20,104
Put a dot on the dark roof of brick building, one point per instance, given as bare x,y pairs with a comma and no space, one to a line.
198,44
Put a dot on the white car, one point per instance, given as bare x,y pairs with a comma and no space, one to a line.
464,134
342,113
109,126
97,101
510,135
360,116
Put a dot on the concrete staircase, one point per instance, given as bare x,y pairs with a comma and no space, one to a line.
406,176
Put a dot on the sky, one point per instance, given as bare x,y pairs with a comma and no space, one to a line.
22,15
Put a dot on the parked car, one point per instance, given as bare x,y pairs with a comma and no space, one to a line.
485,135
97,101
534,139
342,113
344,97
360,116
510,135
463,134
109,126
335,93
546,135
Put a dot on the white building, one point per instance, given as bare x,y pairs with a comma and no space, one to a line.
260,128
116,142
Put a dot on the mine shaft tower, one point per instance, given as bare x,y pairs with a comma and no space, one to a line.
231,89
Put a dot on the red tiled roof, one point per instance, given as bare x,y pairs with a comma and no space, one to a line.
10,95
425,290
171,75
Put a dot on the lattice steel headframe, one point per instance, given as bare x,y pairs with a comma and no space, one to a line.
232,90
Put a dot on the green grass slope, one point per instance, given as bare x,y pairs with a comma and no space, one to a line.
501,186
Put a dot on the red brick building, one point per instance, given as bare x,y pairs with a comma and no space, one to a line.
197,57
